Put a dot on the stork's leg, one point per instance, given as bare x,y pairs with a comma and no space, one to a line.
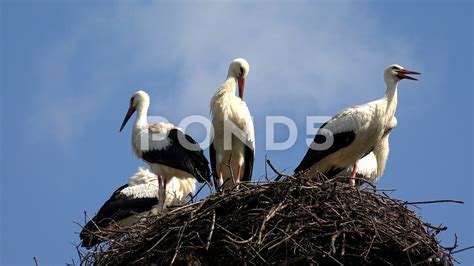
237,178
352,181
160,187
221,178
161,194
165,194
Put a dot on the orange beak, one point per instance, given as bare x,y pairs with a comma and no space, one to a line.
402,74
241,85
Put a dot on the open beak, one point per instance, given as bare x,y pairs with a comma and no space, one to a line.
402,74
129,114
241,84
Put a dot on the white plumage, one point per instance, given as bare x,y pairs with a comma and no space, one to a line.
356,131
232,151
372,166
151,137
144,184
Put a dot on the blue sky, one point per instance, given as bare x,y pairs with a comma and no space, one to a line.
68,69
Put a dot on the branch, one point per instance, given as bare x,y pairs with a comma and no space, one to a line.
438,228
433,201
461,250
280,174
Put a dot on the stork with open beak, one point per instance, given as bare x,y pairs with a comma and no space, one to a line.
355,131
232,150
132,201
169,152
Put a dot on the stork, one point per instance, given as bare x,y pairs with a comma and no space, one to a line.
372,166
132,201
355,131
232,150
168,151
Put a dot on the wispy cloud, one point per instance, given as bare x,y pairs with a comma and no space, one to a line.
304,58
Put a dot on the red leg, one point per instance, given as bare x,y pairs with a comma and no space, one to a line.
237,179
221,178
160,186
161,192
352,178
165,194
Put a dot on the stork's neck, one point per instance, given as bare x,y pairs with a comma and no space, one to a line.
391,97
229,85
142,114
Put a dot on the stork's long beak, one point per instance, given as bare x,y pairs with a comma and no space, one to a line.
129,114
241,84
402,74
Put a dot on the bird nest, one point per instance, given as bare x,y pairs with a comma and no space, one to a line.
292,221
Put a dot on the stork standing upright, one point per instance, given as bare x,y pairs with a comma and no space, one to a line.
132,201
168,151
355,131
372,166
232,151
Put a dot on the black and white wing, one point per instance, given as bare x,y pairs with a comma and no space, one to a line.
342,128
119,206
179,151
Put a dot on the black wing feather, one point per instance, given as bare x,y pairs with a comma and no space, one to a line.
117,207
212,157
249,158
177,156
341,140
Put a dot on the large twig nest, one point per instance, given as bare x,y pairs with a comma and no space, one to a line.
299,220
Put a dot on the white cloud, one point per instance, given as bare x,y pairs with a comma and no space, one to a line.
304,59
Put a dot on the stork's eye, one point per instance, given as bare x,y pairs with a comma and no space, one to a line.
131,100
241,71
395,68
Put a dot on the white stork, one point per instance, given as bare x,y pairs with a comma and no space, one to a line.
168,151
372,166
232,151
134,200
355,131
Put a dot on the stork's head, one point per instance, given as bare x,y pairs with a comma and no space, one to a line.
395,73
139,101
239,69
